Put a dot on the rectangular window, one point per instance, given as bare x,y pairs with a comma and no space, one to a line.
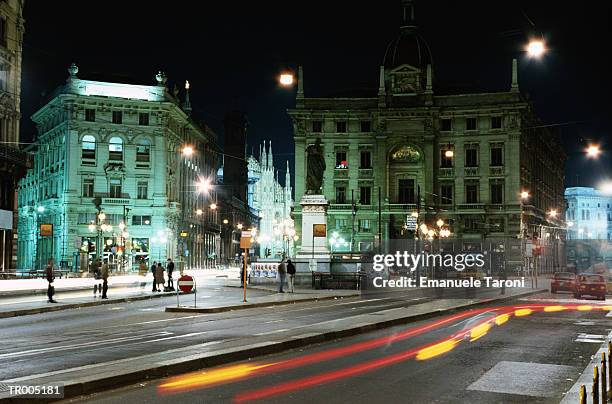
497,192
366,159
365,195
340,224
446,194
497,156
470,124
317,126
341,159
446,158
86,218
405,188
143,119
3,35
471,192
446,125
340,194
88,187
90,115
141,220
496,225
471,157
496,122
115,188
117,117
365,225
366,126
341,126
143,190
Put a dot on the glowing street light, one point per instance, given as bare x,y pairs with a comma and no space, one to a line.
553,213
40,209
424,228
199,212
606,188
92,227
187,151
536,48
524,195
102,216
122,226
570,224
440,222
204,185
225,221
239,226
213,206
593,151
449,153
286,79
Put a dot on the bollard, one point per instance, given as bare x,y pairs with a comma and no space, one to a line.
609,371
604,379
583,395
595,389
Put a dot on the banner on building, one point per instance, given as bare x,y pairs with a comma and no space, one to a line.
46,229
6,219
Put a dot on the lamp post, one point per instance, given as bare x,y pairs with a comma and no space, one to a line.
99,227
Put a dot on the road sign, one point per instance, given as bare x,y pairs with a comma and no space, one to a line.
246,239
185,283
411,222
319,230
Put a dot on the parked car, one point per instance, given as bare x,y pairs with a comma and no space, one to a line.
591,285
563,281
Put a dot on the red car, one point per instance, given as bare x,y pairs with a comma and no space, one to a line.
591,285
563,281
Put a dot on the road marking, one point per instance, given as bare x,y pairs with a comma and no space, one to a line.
590,338
273,332
609,314
273,321
585,323
85,344
156,321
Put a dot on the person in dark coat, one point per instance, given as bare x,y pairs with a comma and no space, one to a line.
159,276
153,268
50,279
290,275
170,268
104,276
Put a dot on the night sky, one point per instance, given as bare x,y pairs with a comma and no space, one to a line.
231,52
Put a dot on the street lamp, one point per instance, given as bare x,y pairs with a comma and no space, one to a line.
213,206
40,209
553,213
199,212
535,48
286,79
187,151
524,195
239,226
593,151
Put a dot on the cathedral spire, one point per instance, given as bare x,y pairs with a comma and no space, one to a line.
264,157
287,177
187,104
270,157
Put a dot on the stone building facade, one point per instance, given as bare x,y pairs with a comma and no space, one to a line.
13,161
117,148
588,214
411,148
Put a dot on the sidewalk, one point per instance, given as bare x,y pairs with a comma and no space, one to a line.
96,377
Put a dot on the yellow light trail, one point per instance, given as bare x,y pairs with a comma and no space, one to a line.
584,307
522,312
550,309
502,318
436,350
479,331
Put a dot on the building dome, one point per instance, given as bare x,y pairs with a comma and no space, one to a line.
410,48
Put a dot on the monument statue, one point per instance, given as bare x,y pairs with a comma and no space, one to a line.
315,168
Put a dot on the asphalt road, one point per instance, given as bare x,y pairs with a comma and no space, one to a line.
533,358
60,340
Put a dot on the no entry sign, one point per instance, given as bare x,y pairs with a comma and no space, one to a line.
185,284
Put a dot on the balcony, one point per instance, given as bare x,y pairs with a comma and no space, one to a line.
339,206
402,207
342,173
471,172
366,173
496,171
114,199
470,206
446,172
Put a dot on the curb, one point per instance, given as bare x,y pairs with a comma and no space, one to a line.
30,292
237,354
46,309
222,309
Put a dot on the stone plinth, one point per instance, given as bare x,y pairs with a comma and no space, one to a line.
314,211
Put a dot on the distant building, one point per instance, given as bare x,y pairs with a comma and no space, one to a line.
117,149
13,161
588,214
415,147
272,203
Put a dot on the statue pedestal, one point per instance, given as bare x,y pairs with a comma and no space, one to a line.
313,253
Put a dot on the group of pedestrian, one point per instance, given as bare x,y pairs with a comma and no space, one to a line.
158,276
101,271
286,272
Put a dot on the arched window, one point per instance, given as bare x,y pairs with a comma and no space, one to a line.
88,148
115,148
143,151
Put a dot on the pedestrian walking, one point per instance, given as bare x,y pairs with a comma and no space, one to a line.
290,275
104,276
50,279
170,269
153,271
282,274
159,276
